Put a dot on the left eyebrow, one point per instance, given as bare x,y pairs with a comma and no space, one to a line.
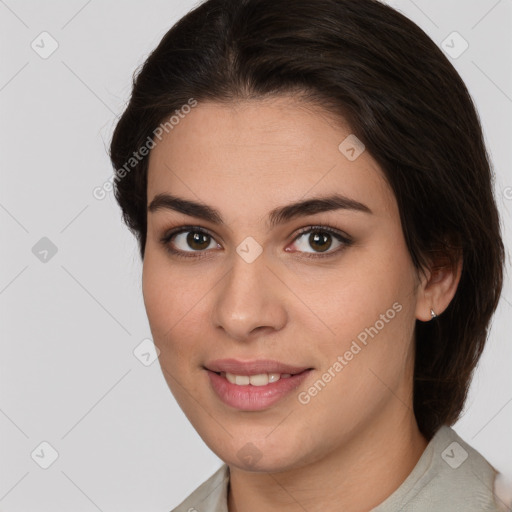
276,216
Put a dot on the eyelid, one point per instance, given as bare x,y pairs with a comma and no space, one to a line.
322,227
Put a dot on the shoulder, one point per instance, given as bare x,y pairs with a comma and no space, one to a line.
450,476
464,475
211,495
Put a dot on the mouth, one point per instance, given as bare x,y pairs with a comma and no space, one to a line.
253,385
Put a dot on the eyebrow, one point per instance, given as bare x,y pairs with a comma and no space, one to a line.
277,216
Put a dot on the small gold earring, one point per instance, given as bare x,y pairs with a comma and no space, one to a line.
432,313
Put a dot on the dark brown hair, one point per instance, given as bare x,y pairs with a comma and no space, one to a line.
371,66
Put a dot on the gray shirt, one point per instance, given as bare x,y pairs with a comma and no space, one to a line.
450,476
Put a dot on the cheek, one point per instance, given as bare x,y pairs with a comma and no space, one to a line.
352,296
173,307
366,368
370,308
168,301
156,301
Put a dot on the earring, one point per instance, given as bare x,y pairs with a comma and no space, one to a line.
432,313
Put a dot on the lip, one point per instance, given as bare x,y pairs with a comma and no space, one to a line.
253,367
249,397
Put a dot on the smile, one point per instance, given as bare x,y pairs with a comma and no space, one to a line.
253,385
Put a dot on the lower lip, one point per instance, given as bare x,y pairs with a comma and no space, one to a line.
254,398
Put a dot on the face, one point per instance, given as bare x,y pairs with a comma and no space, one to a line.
309,310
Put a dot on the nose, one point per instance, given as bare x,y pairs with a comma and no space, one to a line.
249,301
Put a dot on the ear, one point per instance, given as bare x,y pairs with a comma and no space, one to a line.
439,284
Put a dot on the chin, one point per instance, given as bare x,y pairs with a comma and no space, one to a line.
259,454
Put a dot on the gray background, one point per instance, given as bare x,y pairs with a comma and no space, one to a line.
70,321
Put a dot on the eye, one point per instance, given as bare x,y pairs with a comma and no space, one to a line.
192,241
187,237
320,239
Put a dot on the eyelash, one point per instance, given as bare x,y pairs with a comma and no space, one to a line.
166,239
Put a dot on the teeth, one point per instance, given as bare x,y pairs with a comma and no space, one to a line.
241,380
261,379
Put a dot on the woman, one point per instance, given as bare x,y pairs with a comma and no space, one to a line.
321,252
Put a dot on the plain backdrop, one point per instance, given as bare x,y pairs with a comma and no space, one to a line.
71,308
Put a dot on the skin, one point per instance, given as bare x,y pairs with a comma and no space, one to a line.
356,441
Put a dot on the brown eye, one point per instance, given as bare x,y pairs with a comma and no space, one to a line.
194,242
320,239
320,242
187,241
198,240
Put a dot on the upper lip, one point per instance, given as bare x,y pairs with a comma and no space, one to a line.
252,367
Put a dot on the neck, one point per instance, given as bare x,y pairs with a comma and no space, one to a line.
359,474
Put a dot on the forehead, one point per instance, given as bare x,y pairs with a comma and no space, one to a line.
264,152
